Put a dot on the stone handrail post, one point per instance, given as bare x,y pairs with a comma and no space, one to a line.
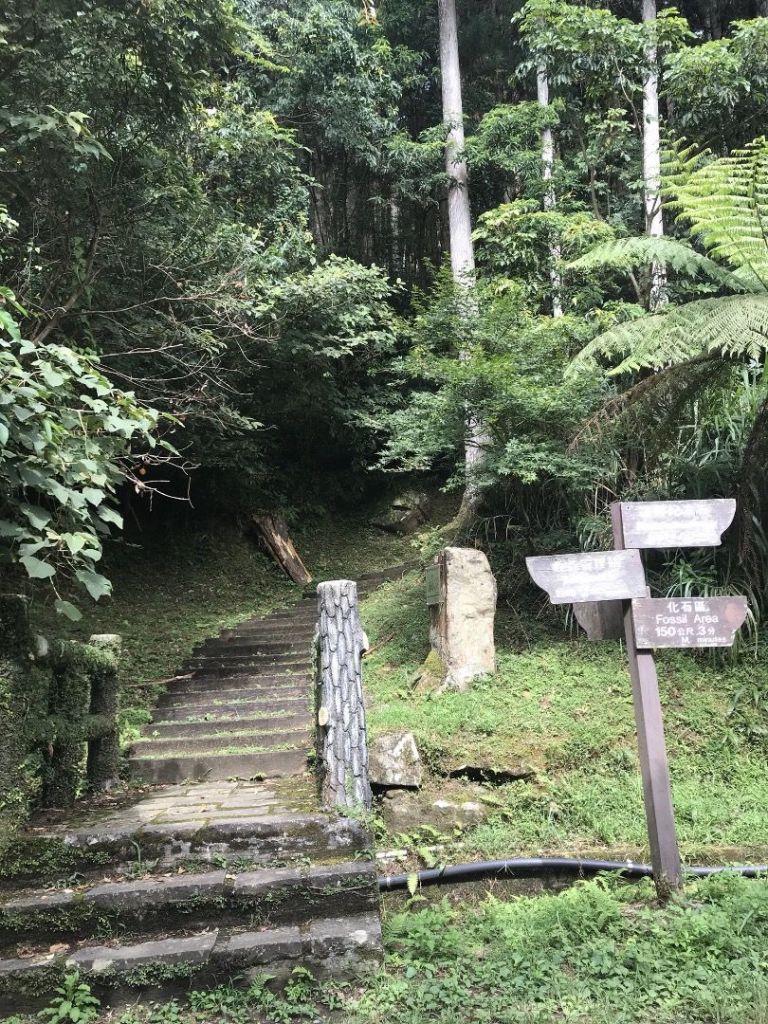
342,741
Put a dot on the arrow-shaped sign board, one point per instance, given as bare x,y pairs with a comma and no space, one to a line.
676,524
688,622
589,576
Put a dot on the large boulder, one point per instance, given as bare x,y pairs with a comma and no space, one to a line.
405,515
394,761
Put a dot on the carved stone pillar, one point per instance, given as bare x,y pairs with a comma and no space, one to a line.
342,740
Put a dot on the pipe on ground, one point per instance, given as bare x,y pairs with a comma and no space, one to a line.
544,867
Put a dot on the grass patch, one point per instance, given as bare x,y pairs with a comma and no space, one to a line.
562,707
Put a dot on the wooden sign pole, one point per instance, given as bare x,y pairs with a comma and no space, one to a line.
657,790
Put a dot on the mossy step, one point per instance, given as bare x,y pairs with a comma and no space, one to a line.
247,839
233,689
242,645
255,899
216,766
229,705
224,739
264,670
231,724
301,632
267,663
341,948
192,680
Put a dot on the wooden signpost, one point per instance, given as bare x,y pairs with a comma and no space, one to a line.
605,585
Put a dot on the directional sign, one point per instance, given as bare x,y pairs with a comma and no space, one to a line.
600,620
590,576
693,622
676,524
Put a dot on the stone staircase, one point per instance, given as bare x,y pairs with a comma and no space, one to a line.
226,867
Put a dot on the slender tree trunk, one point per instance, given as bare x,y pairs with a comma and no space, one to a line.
459,222
654,223
550,200
459,216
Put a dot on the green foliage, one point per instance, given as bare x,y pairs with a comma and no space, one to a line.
66,434
74,1003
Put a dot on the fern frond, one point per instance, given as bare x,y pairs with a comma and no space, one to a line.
734,326
627,254
726,204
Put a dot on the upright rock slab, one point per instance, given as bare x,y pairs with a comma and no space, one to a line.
461,623
394,762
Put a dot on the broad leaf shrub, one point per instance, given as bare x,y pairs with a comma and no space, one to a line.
65,435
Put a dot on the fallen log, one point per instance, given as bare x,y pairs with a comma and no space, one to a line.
272,531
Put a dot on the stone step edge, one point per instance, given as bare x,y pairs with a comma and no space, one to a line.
329,947
289,720
171,753
260,838
266,764
294,731
248,688
288,706
287,895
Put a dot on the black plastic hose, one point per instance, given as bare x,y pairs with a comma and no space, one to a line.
543,867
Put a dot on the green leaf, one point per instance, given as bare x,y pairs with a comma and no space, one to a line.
413,883
37,516
110,516
96,585
94,495
8,529
76,541
68,610
37,569
3,434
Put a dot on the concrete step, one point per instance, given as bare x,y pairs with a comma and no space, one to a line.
232,688
254,667
257,899
201,707
193,681
241,646
345,947
204,836
258,660
264,764
166,730
222,738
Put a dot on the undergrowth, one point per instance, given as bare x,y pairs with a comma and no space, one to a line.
601,952
558,712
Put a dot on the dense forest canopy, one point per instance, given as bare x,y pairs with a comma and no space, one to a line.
225,228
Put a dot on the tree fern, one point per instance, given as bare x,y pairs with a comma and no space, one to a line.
725,202
634,253
735,326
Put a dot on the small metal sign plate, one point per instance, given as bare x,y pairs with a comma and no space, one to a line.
432,577
676,524
589,576
688,622
600,620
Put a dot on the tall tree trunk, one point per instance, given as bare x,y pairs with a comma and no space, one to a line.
459,223
654,223
459,216
550,199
